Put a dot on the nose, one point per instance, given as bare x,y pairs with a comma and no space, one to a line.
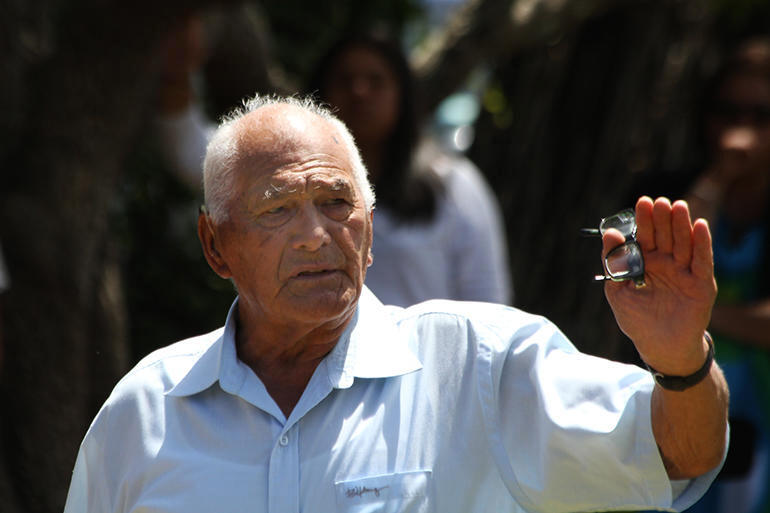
359,86
310,232
738,139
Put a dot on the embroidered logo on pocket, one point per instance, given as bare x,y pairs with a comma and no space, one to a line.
400,492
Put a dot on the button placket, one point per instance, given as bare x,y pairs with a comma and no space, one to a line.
283,479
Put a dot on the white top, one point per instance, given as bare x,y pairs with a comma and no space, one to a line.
443,407
462,254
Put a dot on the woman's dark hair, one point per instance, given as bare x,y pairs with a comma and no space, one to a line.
409,192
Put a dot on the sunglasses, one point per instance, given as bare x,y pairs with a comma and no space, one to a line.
624,262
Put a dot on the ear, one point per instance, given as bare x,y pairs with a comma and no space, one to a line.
207,236
370,257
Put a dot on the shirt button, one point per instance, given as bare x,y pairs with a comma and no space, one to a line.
284,440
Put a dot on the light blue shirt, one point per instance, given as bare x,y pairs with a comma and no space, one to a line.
442,407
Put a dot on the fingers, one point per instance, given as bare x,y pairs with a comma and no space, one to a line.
645,232
611,239
664,227
661,217
702,265
682,234
667,228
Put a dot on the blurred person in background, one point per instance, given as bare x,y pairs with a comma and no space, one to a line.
209,62
161,189
181,124
733,194
439,230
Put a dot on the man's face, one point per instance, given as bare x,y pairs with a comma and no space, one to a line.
297,240
739,132
739,123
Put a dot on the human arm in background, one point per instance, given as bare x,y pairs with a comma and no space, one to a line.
182,127
749,323
666,320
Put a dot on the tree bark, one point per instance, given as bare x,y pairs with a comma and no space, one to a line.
79,86
486,32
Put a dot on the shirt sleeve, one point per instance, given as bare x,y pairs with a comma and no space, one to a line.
77,497
88,488
572,432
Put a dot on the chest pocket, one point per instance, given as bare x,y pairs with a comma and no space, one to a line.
405,492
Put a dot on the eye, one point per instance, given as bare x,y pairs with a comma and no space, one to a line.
337,208
273,216
376,80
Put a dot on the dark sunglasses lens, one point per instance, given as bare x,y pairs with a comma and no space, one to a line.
625,262
624,222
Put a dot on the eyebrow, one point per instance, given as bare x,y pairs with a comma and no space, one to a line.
341,184
274,192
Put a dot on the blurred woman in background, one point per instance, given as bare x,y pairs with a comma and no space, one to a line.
438,231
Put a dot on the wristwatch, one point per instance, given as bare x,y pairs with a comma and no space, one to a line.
679,383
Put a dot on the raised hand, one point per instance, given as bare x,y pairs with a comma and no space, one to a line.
667,317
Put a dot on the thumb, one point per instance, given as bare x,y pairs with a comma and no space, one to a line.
611,239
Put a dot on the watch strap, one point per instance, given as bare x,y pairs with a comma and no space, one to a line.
679,383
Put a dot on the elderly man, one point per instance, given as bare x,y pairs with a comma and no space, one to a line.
316,397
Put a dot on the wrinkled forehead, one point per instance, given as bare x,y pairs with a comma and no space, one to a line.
282,187
279,136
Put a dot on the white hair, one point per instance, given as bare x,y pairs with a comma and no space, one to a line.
222,152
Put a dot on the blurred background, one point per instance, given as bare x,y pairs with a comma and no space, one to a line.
570,108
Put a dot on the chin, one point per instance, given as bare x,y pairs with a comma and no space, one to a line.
326,306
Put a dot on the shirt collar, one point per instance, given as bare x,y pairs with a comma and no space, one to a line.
205,367
370,347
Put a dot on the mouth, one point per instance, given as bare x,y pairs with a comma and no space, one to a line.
315,273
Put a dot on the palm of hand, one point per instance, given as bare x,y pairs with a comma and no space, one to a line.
667,316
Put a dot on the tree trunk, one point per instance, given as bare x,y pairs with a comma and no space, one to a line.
80,79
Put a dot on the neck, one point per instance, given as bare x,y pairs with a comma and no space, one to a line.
285,359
